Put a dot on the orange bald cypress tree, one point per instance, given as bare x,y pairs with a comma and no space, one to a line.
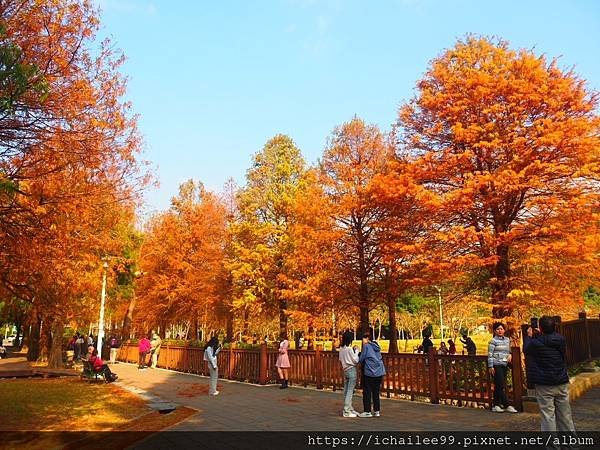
182,260
355,155
67,157
507,144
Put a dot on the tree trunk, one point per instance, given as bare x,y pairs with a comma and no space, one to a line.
45,340
126,332
501,285
283,319
391,304
33,338
246,325
364,319
19,337
55,360
196,330
229,326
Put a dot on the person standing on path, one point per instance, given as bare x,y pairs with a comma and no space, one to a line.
114,348
349,359
427,342
498,359
143,349
155,349
79,347
373,371
283,362
469,345
547,370
211,350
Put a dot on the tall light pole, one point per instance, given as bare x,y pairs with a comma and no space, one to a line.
441,317
101,320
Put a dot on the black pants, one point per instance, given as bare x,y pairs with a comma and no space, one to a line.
371,388
105,371
142,360
500,386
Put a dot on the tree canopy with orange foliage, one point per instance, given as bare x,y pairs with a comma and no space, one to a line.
507,144
182,263
68,169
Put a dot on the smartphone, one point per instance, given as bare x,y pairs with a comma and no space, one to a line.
534,323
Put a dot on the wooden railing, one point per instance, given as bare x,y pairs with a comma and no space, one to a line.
460,378
582,336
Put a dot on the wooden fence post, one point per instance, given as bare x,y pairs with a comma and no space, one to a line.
231,365
262,368
517,377
588,344
433,376
186,358
319,367
168,357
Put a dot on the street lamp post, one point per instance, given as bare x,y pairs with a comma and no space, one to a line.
439,290
101,320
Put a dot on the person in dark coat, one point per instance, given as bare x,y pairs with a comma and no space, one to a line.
469,345
427,342
547,370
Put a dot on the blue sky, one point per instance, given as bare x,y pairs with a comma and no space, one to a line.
212,81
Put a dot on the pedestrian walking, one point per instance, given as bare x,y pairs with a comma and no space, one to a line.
283,362
143,349
498,359
373,372
211,350
155,349
547,370
349,360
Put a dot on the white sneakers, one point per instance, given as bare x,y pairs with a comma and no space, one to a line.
498,409
365,414
350,414
215,393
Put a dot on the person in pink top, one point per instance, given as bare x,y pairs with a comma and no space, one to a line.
143,348
283,362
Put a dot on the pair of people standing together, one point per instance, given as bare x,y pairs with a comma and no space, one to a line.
373,371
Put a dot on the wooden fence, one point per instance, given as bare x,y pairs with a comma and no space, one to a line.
582,336
457,378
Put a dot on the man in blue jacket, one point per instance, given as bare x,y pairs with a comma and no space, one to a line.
547,370
373,372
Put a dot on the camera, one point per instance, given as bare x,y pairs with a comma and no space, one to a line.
535,323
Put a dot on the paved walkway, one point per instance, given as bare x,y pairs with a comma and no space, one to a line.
15,365
245,407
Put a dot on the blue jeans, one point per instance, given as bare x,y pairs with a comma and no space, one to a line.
349,384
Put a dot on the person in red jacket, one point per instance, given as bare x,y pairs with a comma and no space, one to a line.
100,367
143,348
